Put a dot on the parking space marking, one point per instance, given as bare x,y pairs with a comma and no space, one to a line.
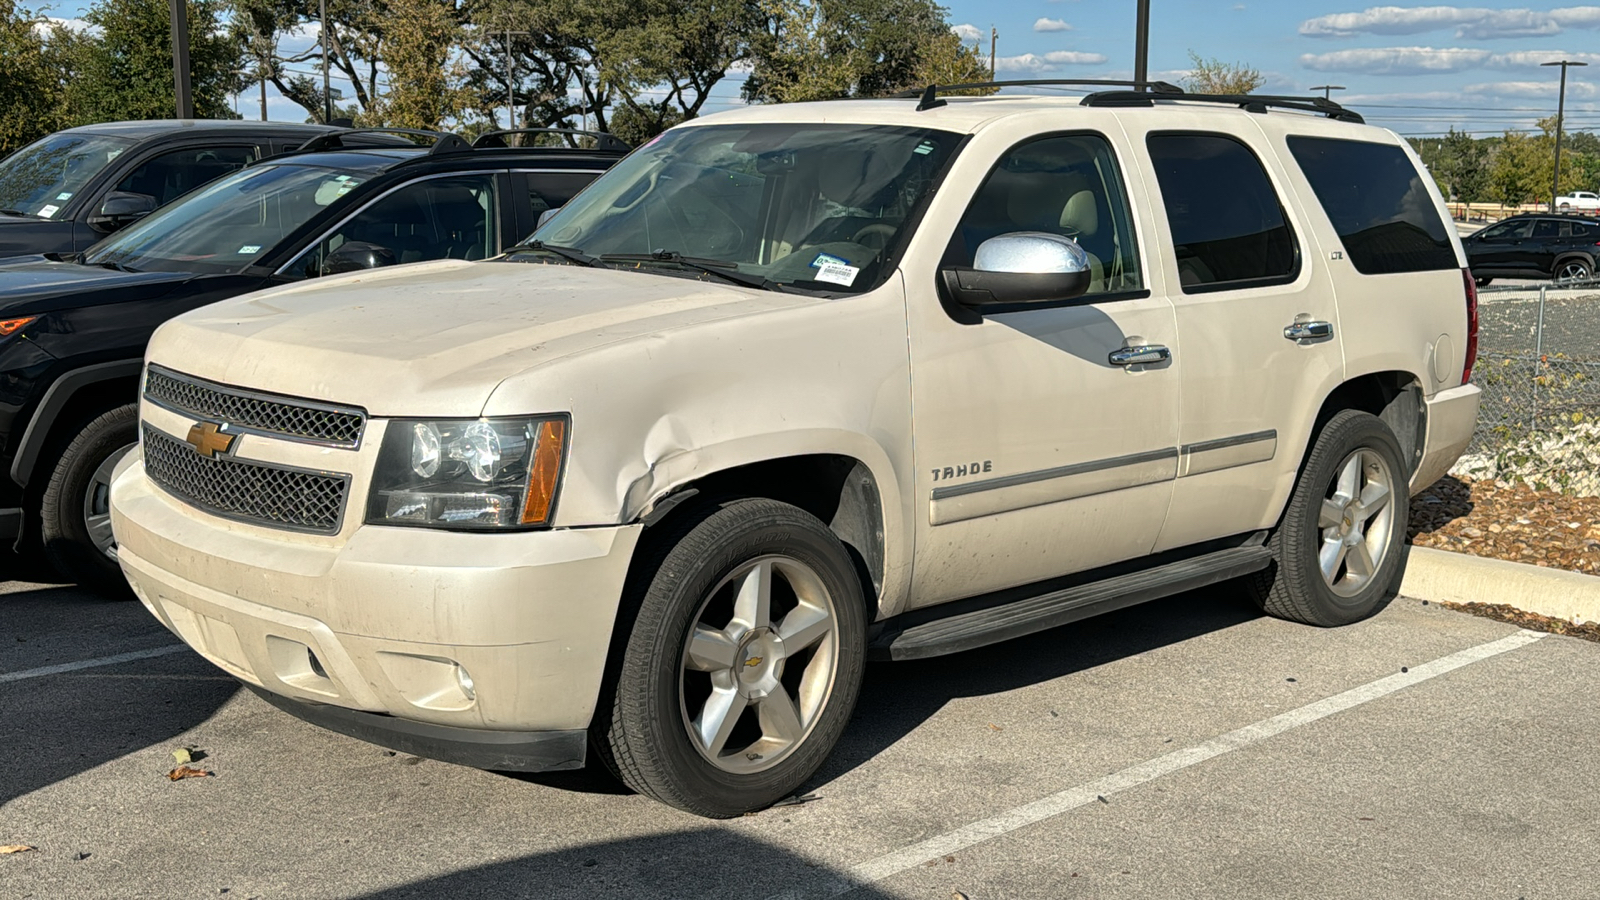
1072,798
57,669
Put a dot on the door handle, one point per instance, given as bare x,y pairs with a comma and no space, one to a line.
1308,331
1142,355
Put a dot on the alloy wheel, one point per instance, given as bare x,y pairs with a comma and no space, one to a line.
97,504
1356,522
1573,271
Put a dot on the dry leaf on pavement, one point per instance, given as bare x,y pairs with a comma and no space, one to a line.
183,772
16,848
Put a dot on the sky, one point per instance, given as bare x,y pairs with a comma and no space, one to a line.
1417,69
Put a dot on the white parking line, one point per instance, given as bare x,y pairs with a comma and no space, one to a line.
91,663
1054,805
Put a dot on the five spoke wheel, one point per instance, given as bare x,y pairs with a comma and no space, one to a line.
1356,523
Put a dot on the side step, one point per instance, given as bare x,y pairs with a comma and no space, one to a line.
966,628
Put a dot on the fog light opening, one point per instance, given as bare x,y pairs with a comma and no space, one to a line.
464,681
316,664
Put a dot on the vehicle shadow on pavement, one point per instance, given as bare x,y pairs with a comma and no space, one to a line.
60,725
700,864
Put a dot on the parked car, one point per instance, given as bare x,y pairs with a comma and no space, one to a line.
68,190
73,328
1562,248
795,385
1579,202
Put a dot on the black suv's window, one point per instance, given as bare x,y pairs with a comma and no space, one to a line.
1378,203
1068,185
440,218
1228,227
44,176
1517,228
1545,228
1576,229
552,190
171,175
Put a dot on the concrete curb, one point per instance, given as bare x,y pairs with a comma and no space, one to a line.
1440,575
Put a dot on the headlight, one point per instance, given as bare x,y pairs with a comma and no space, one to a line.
468,473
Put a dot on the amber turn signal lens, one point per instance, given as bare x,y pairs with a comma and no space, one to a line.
8,327
545,472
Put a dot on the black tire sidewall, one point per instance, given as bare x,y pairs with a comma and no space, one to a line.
61,523
734,534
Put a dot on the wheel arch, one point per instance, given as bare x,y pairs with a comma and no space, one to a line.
74,394
1395,397
1579,255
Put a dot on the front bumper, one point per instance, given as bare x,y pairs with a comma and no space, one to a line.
1451,417
487,649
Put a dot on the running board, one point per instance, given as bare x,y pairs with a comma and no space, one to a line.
966,630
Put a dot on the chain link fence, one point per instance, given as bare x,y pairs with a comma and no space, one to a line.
1539,369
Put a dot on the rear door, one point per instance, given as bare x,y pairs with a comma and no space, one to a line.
1497,246
1538,252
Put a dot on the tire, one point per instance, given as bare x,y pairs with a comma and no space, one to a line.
74,523
656,724
1482,282
1353,447
1573,270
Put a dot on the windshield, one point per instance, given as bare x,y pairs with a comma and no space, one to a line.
41,178
228,224
812,206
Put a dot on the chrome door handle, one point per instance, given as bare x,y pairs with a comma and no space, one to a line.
1308,331
1142,355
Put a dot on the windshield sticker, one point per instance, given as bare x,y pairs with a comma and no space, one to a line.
835,273
924,148
46,212
249,249
64,195
826,259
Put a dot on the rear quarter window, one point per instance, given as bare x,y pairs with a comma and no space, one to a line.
1378,204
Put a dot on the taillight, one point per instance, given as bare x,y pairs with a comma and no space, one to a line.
1472,325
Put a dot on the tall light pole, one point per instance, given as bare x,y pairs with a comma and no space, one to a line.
1561,112
511,80
1141,44
327,92
180,59
994,40
1328,89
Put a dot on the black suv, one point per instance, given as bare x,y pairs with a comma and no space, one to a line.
62,193
1534,246
73,328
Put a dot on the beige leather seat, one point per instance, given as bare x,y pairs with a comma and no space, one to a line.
1080,219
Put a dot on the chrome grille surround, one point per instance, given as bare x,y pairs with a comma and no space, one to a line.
253,412
259,493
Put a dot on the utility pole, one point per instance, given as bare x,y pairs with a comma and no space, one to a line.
1328,89
327,92
180,59
262,80
1561,112
511,80
994,39
1141,45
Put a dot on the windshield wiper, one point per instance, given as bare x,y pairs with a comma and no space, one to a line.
17,212
723,269
113,266
568,253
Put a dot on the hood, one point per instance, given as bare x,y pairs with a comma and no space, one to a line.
36,284
433,339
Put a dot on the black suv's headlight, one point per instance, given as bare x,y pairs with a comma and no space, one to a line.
468,473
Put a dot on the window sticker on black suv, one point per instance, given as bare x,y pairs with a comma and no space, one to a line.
1378,204
1229,230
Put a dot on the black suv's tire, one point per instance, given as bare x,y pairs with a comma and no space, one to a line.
1339,552
1483,282
74,522
682,671
1573,270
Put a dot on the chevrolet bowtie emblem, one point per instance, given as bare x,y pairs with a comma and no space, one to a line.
753,661
209,439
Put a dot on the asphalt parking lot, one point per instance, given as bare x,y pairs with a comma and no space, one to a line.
1187,748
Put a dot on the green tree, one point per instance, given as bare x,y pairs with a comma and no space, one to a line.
29,96
1460,165
1520,171
423,83
1213,76
823,49
125,70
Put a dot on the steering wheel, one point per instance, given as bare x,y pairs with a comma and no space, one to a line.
884,232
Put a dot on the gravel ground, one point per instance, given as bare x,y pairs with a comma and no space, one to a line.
1514,523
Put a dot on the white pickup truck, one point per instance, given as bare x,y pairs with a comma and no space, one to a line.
1579,202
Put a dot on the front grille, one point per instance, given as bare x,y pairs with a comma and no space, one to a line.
285,417
255,492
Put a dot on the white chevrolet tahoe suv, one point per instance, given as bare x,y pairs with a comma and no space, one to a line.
796,386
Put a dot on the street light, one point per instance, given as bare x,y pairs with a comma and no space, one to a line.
1328,89
180,59
1561,111
1141,44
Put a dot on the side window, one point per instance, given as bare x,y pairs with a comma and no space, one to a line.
1575,229
1068,185
1544,228
1508,230
1228,226
552,190
442,218
171,175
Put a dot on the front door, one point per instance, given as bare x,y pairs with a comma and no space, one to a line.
1035,454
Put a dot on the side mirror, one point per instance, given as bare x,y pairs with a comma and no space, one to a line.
1021,267
546,216
355,256
120,209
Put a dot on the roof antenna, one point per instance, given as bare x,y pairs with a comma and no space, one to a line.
930,99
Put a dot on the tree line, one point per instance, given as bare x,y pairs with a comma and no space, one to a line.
632,67
1513,168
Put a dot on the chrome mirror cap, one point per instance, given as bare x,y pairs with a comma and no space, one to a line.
1031,253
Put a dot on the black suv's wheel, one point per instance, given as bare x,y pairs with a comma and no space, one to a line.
1574,270
1340,550
1482,282
75,516
743,664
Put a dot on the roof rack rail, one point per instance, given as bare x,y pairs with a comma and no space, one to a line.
604,141
443,142
930,94
1257,103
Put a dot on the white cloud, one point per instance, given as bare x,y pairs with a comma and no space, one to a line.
79,26
968,32
1048,62
1044,24
1428,60
1470,23
1533,90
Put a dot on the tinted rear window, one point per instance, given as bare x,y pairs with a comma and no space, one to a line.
1378,204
